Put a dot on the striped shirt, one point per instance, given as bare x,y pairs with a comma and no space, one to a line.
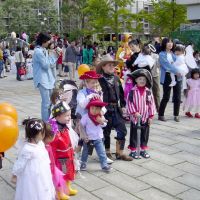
141,103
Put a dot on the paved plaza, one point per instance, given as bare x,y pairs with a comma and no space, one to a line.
172,172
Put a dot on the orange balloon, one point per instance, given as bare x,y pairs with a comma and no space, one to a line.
8,109
82,69
8,132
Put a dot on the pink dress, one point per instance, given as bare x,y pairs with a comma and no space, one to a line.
192,101
57,174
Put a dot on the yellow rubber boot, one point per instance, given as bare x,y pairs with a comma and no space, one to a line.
62,196
72,192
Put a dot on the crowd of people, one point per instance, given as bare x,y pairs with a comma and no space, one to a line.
79,118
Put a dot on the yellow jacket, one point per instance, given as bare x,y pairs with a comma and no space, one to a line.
1,54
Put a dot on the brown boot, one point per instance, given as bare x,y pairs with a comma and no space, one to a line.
119,153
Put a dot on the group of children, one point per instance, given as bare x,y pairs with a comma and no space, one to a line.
26,69
49,159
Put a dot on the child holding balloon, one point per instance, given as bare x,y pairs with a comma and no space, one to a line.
31,171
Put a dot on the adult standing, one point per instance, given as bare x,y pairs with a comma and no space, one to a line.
42,72
1,63
155,72
70,59
135,47
167,59
19,59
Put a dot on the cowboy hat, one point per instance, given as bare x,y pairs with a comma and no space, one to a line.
142,72
104,60
90,75
96,102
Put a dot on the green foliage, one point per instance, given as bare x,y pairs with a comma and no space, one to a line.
166,17
30,16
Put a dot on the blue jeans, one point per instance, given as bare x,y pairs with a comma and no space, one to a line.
46,103
1,67
100,149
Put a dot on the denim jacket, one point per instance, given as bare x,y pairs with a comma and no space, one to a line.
42,73
165,66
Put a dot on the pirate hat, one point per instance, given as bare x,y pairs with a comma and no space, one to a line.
142,72
96,102
60,108
104,60
90,75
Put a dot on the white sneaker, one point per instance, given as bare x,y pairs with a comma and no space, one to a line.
172,84
109,161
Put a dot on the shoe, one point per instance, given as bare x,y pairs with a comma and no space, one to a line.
134,155
83,167
109,161
123,157
109,155
72,192
62,196
176,119
144,154
106,168
162,118
188,114
197,115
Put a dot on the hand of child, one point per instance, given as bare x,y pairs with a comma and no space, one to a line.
137,115
124,110
150,121
14,179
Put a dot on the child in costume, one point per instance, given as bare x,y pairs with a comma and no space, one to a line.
92,122
91,90
31,171
57,174
140,104
29,67
192,99
113,95
180,66
62,146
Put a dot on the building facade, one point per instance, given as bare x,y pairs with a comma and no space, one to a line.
193,9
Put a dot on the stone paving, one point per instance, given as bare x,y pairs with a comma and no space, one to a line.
172,172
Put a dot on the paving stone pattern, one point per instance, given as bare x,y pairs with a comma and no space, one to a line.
172,172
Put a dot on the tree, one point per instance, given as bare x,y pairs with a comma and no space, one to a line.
106,16
166,16
73,18
28,15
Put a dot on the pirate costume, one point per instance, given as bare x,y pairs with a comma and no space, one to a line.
113,95
62,147
140,100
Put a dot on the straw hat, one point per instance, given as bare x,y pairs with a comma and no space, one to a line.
104,60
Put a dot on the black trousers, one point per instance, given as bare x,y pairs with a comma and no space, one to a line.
144,136
18,65
117,122
156,91
166,95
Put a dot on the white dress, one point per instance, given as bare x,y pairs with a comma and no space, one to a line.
34,179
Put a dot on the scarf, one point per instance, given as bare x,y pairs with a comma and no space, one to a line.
110,78
141,90
93,118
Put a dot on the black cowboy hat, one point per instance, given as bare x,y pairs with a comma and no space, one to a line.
142,72
60,108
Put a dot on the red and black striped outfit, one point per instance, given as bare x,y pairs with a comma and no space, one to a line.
140,100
